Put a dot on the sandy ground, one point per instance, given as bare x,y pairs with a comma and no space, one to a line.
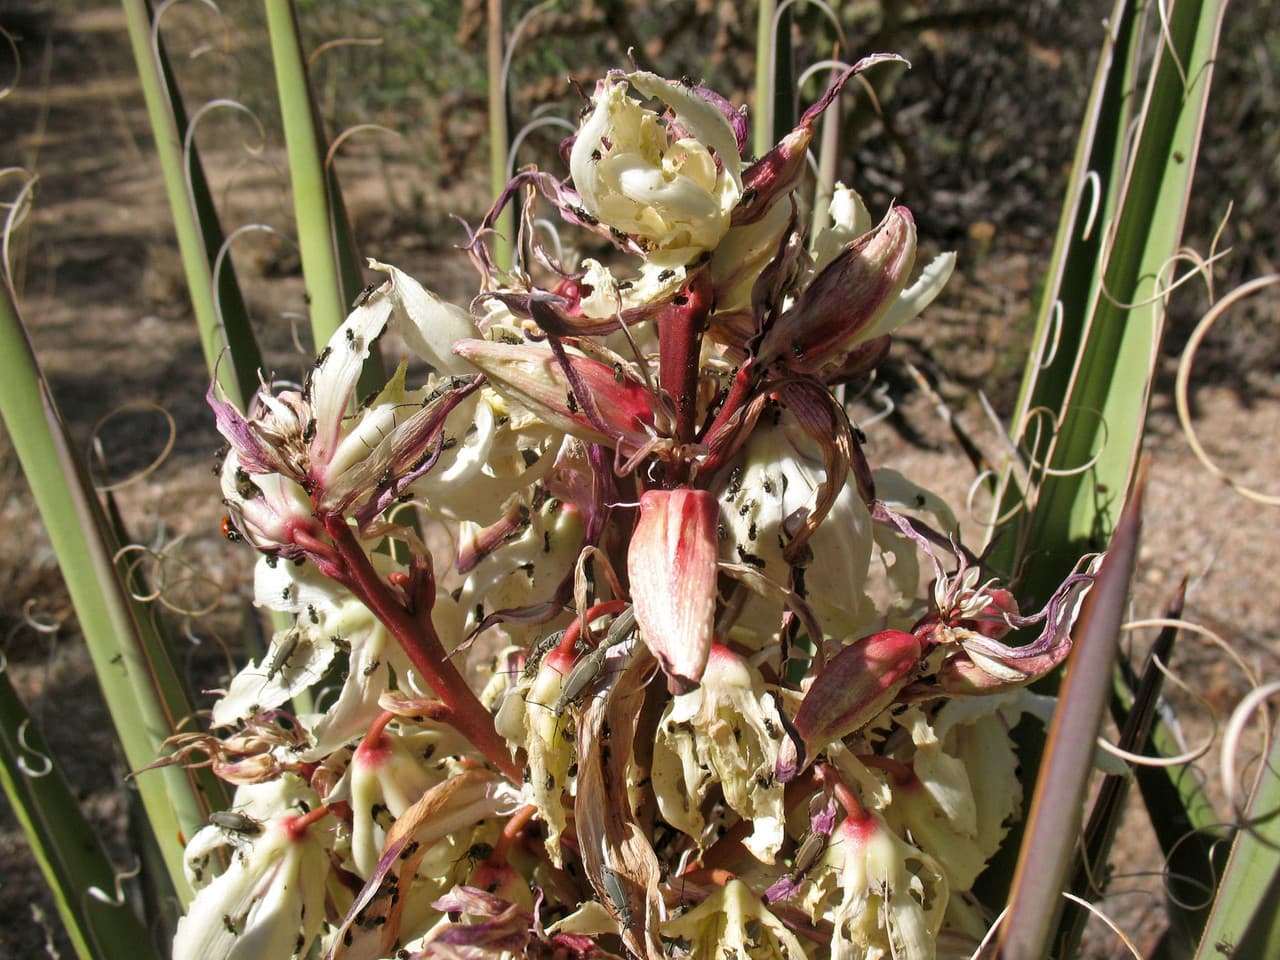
102,295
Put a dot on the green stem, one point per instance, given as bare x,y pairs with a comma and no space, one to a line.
499,133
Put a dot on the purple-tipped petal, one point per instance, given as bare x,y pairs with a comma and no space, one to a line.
774,175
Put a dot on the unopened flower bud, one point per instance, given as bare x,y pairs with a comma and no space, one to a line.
851,691
842,304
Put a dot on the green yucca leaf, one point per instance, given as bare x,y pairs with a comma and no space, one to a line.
220,312
142,689
1101,312
1100,321
1045,856
72,859
1245,918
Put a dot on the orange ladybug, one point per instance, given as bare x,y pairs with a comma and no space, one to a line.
229,530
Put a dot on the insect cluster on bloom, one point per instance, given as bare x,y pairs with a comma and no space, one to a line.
621,689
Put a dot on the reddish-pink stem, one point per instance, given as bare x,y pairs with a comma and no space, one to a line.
571,632
853,807
297,826
417,637
510,830
374,733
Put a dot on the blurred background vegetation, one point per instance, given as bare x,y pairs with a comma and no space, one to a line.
976,138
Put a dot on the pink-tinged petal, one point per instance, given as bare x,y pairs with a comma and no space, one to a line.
253,453
854,687
845,299
615,409
860,361
672,566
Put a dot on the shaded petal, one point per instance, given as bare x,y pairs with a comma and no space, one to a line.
534,376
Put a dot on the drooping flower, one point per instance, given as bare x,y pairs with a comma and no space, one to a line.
672,565
669,182
269,902
733,922
893,896
844,304
532,719
611,410
769,489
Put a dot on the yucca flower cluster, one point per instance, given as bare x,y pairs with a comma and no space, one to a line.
612,677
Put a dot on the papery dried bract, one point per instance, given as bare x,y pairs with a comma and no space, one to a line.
672,565
777,173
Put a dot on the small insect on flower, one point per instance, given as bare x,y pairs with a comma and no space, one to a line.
590,664
229,529
283,655
811,848
476,854
615,889
235,822
363,297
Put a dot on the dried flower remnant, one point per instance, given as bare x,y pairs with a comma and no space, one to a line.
722,734
621,688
